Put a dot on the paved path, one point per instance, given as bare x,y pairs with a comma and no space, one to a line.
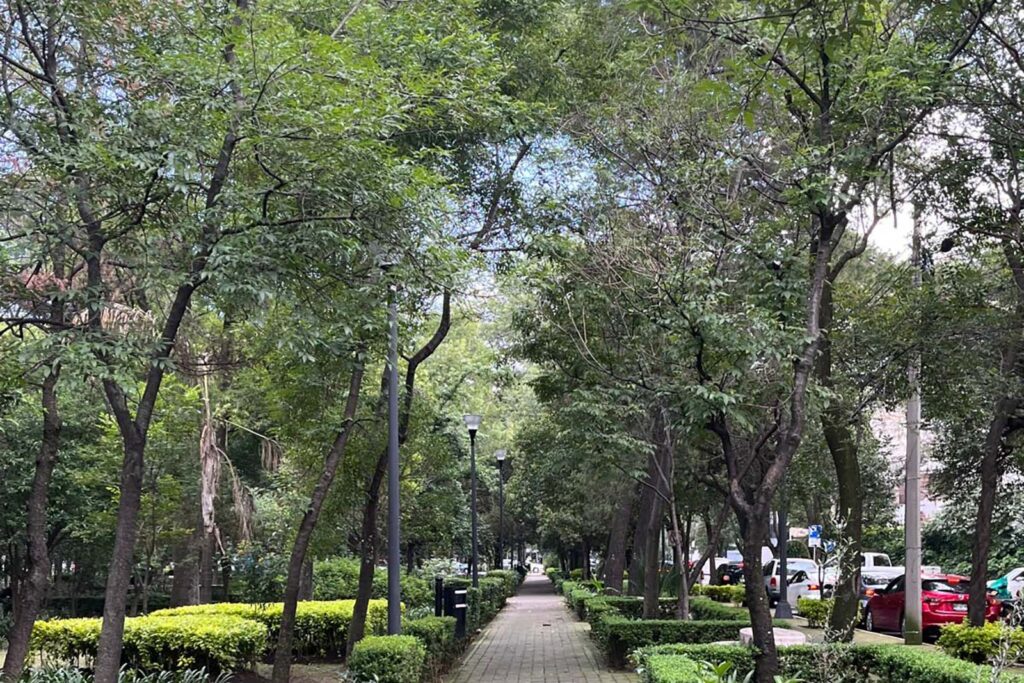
535,639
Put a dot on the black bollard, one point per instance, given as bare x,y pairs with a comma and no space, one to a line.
449,601
438,595
460,614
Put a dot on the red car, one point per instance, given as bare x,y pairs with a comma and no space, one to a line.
944,601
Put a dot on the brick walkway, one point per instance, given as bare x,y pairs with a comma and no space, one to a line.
535,639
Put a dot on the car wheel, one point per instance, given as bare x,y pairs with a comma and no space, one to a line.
869,620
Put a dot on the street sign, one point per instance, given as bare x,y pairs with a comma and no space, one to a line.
814,536
830,546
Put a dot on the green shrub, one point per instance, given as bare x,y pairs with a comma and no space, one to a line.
321,627
211,641
860,664
67,674
575,574
438,637
511,578
981,644
388,659
621,636
337,578
814,611
733,594
416,591
705,608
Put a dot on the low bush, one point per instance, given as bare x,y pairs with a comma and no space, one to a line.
338,579
621,636
981,644
575,574
816,612
438,637
211,641
511,578
856,664
732,594
321,627
388,659
67,674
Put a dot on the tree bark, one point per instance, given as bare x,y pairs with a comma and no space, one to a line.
754,529
842,444
31,592
615,558
990,473
283,654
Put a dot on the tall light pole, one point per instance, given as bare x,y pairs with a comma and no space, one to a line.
500,457
912,491
473,424
394,529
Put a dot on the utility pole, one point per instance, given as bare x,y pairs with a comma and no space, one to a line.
912,491
394,519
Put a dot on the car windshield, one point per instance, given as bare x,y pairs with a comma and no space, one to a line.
940,586
875,580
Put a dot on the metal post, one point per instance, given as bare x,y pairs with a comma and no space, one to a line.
472,496
501,514
461,608
438,596
912,525
394,530
783,610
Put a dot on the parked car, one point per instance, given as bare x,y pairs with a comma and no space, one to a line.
1008,586
806,586
793,565
944,601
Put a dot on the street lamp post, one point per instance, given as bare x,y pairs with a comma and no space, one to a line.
394,531
500,456
473,424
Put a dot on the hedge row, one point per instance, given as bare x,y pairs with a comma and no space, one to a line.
851,664
213,642
980,644
428,645
621,636
338,579
217,636
321,626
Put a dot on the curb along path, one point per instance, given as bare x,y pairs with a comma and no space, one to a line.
535,639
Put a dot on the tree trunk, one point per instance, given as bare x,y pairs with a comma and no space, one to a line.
615,558
119,573
367,557
755,531
306,580
842,444
184,586
990,474
206,552
31,592
283,654
648,510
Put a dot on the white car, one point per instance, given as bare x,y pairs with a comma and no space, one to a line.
802,585
793,566
1010,585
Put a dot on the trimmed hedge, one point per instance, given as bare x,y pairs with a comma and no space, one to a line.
816,612
338,579
511,578
388,659
731,594
213,642
438,637
863,664
321,626
621,636
980,644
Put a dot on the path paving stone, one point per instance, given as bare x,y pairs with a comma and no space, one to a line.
535,639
